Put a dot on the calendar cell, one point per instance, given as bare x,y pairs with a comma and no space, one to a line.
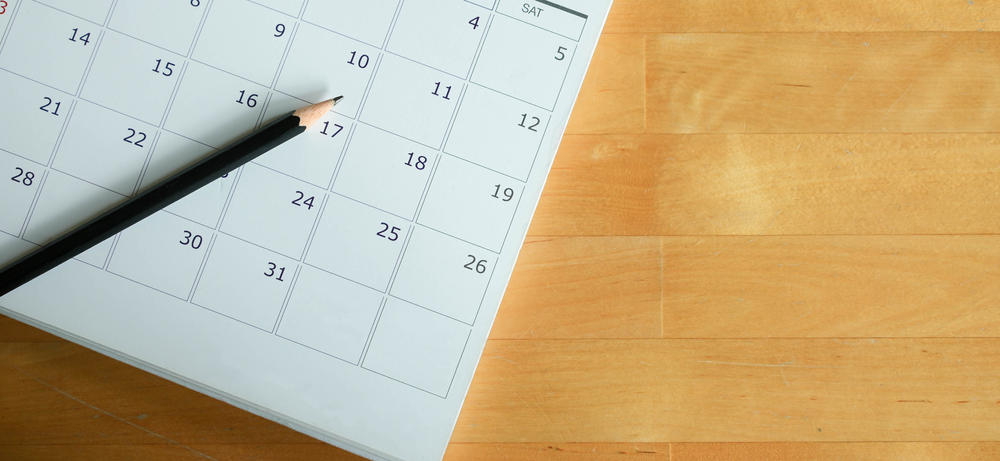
162,251
524,61
18,185
444,274
322,65
385,171
12,247
367,21
97,254
273,210
95,10
417,347
122,142
289,7
214,107
245,282
32,117
167,23
172,154
312,156
349,233
563,21
448,43
65,203
330,314
261,32
132,77
485,200
412,100
65,41
497,131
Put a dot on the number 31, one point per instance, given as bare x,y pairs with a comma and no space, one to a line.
3,6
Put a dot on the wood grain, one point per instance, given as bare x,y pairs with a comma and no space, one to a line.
840,286
603,287
773,185
696,390
878,451
656,16
823,82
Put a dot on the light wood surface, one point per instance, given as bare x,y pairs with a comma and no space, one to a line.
771,233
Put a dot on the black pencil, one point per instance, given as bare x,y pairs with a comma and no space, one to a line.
170,190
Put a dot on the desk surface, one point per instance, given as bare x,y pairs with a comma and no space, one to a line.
772,223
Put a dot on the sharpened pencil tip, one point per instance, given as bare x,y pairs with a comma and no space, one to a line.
311,114
337,99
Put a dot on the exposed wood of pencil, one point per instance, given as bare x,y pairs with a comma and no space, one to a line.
169,191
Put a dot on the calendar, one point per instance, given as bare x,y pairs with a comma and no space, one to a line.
343,284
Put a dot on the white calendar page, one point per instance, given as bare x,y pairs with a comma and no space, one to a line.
343,284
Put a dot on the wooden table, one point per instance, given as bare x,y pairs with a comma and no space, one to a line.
771,233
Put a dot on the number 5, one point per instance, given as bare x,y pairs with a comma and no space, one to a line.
561,53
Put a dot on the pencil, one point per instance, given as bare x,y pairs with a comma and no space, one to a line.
168,191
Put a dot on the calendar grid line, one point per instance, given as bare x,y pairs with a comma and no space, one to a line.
479,48
510,223
111,12
343,155
125,277
173,94
201,267
260,117
145,164
457,364
244,322
90,63
371,331
201,27
454,116
284,54
392,25
10,22
31,207
47,5
141,40
536,26
427,187
315,225
287,297
255,2
368,87
111,251
399,259
315,350
229,199
428,309
489,281
65,93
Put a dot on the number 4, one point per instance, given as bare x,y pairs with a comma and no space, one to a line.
474,22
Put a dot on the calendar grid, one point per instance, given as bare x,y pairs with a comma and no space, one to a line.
368,117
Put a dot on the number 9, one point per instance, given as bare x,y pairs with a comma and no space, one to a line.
279,30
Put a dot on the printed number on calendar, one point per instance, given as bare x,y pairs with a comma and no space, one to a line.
50,106
275,272
503,193
135,138
191,239
3,6
302,200
475,264
23,176
390,233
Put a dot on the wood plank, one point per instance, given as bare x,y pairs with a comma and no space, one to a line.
773,184
651,16
14,331
99,453
589,287
839,286
875,451
616,84
823,82
729,390
559,451
140,402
